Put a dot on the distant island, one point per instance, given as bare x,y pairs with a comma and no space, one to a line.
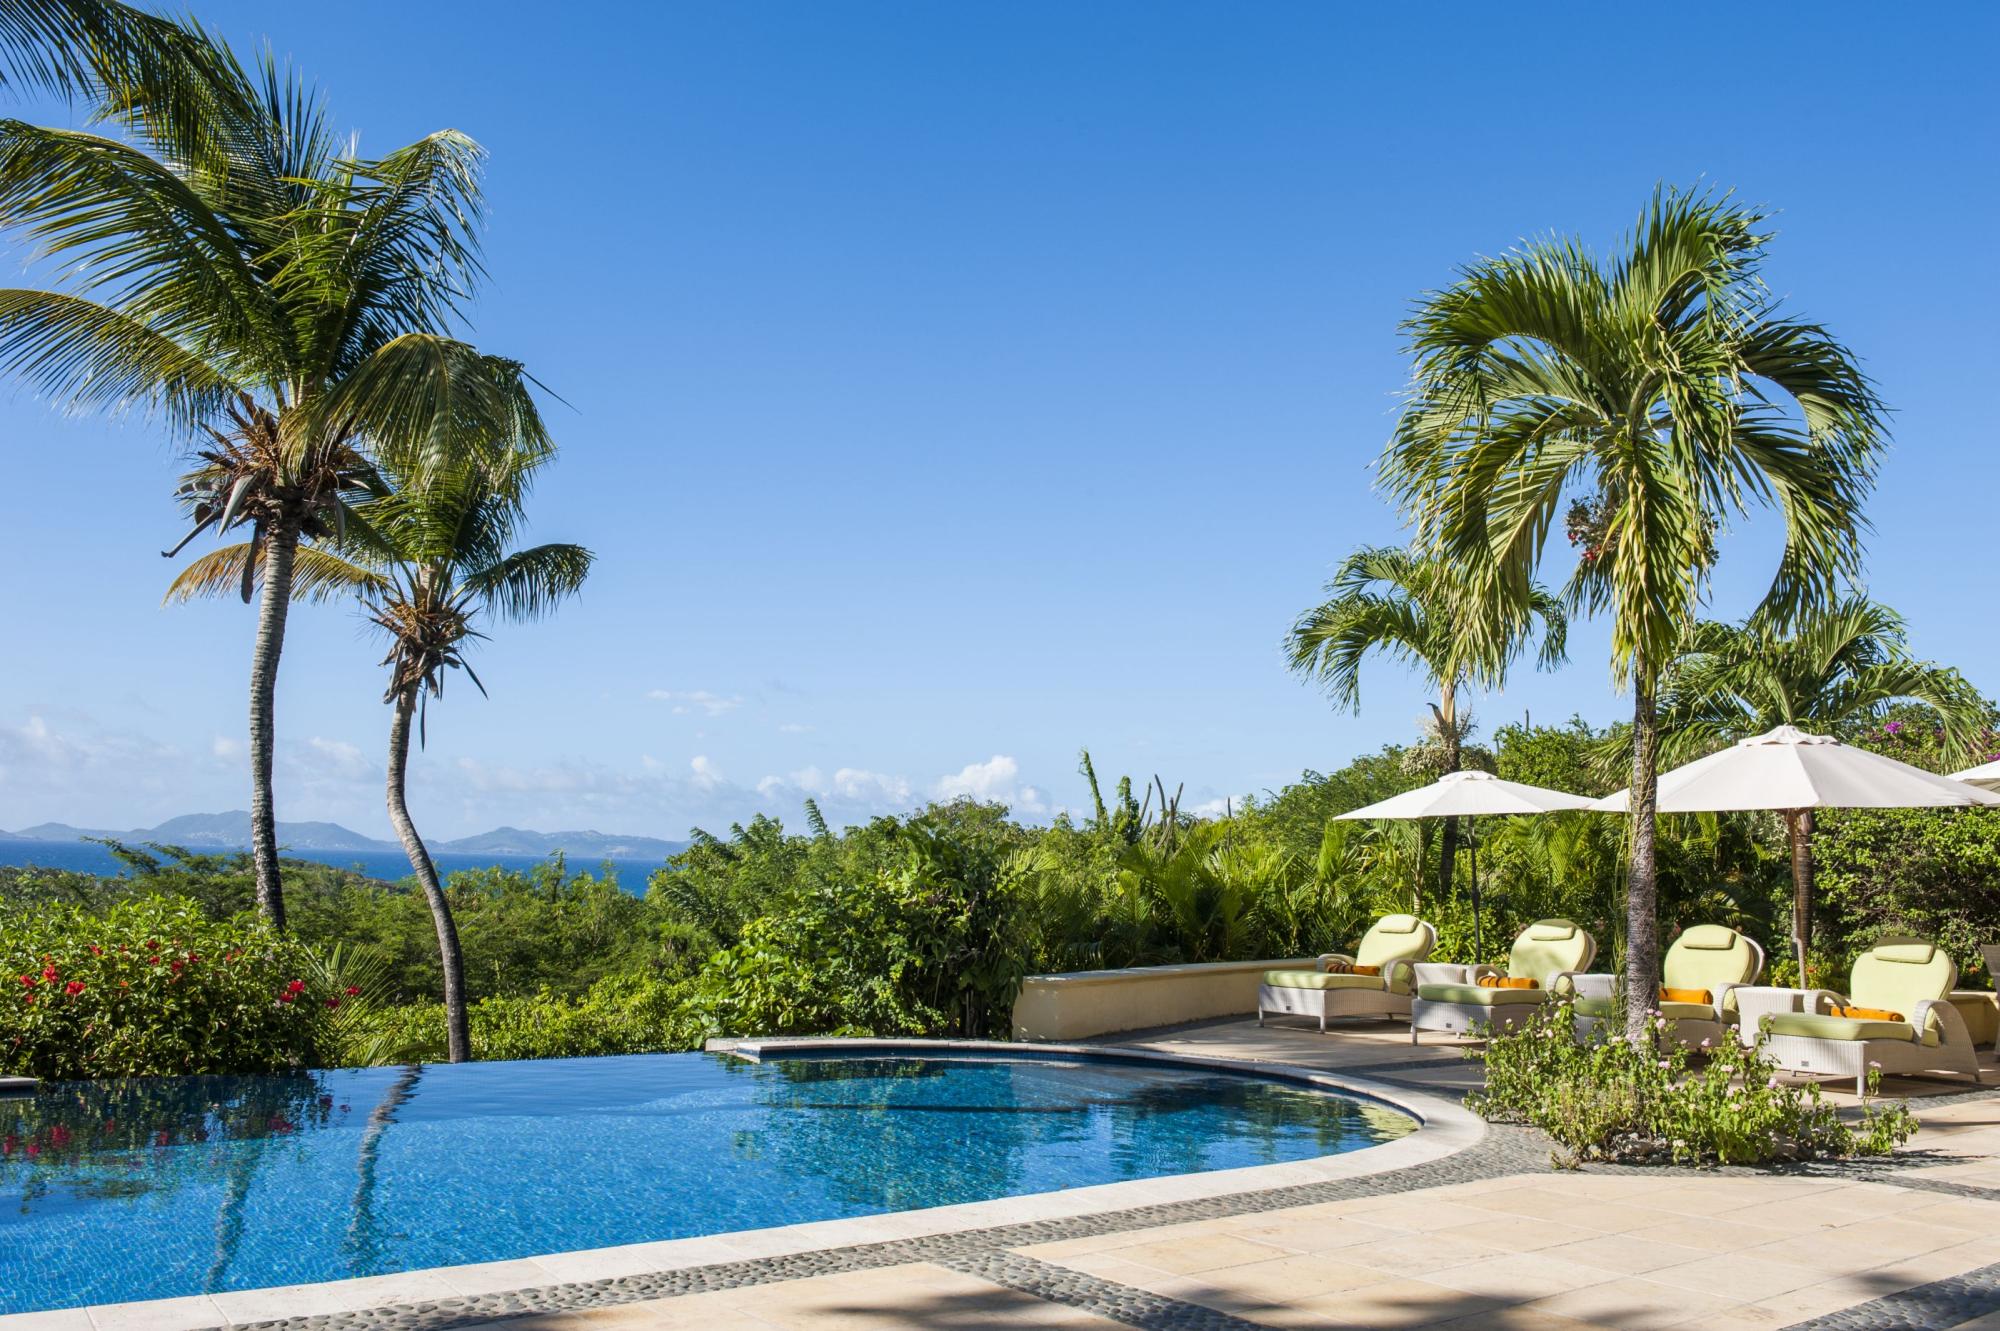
231,831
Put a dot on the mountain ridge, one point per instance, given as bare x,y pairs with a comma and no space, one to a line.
231,831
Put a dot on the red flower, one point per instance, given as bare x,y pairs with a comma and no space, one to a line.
177,967
73,988
333,1002
352,991
153,960
296,987
49,974
29,981
59,1135
96,951
284,998
153,944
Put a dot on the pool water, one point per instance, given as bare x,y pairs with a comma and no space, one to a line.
171,1186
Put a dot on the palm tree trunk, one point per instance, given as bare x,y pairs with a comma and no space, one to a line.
1642,883
1799,830
281,545
458,1032
1447,719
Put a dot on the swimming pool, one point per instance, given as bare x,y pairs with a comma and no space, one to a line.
149,1189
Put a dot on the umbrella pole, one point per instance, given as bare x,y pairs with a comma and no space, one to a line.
1478,935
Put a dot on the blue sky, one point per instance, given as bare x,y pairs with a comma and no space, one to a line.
954,386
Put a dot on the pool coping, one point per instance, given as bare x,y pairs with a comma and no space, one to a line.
1445,1128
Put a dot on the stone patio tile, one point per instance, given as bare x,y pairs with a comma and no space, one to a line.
1519,1277
1271,1284
1625,1254
1516,1318
1513,1237
1419,1213
1710,1235
1288,1230
1189,1254
1959,1213
1631,1304
1388,1306
1735,1276
1414,1254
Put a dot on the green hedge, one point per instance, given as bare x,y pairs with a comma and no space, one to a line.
621,1015
153,986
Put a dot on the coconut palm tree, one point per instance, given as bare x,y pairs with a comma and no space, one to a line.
1396,601
1658,394
249,280
1838,669
432,556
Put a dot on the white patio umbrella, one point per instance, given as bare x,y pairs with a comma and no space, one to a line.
1986,776
1791,772
1468,795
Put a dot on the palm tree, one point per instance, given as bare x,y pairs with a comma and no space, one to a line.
1660,393
1838,669
1397,601
436,554
251,284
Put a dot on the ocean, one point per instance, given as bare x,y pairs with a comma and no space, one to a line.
389,865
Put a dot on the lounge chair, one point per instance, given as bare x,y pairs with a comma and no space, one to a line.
1707,959
1450,997
1907,1022
1391,947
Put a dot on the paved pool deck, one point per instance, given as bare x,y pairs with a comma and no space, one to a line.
1472,1229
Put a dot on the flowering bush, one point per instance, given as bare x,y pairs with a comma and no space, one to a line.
154,987
1649,1100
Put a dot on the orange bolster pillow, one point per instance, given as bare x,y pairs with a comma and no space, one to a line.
1686,996
1866,1013
1339,967
1506,982
1365,970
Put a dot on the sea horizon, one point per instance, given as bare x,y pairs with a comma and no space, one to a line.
385,865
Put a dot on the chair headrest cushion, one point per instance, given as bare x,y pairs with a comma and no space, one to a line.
1710,938
1910,950
1397,924
1551,931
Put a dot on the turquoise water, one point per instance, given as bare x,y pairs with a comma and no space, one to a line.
171,1186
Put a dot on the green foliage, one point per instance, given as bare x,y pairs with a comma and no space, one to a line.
154,985
619,1015
1647,1100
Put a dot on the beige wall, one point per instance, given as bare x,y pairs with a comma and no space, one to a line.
1086,1003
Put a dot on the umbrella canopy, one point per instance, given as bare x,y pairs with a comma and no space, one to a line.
1789,769
1466,795
1986,776
1462,794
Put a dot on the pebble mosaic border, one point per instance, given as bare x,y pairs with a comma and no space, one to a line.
986,1253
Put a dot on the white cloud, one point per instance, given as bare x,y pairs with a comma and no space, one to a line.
794,728
338,759
227,747
995,781
706,774
689,701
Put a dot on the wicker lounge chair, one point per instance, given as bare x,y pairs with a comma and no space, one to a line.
1392,946
1907,978
1450,997
1710,958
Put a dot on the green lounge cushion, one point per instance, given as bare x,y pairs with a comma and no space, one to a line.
1601,1007
1395,938
1818,1026
1547,947
1480,995
1320,980
1711,957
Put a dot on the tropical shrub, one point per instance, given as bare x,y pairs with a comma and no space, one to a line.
620,1015
1648,1100
154,986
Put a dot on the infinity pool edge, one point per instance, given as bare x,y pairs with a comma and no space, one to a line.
1444,1128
